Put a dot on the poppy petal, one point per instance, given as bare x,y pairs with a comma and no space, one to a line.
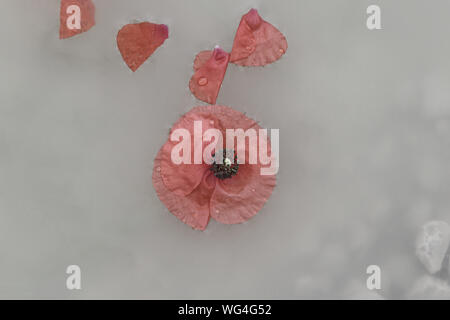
180,179
231,119
257,42
137,42
201,58
183,178
208,77
192,209
238,199
76,16
224,117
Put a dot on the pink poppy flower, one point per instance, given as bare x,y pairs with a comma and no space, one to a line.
257,42
229,193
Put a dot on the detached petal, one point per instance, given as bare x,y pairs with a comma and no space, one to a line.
68,10
257,42
208,77
137,42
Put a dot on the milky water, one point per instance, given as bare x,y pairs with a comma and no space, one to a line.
364,119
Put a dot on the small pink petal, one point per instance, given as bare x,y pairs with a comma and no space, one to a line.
208,77
137,42
257,42
86,15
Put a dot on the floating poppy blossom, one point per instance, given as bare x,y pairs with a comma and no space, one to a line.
76,16
225,189
210,68
257,42
137,42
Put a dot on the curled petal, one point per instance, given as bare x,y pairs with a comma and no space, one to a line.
208,77
194,208
257,42
201,58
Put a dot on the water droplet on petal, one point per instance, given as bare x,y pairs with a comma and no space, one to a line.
281,50
158,169
202,81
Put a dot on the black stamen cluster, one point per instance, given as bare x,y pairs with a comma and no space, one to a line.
224,171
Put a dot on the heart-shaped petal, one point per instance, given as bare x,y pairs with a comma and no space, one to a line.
210,68
137,42
257,42
76,16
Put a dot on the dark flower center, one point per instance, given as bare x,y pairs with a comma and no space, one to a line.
226,168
